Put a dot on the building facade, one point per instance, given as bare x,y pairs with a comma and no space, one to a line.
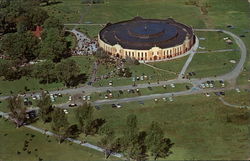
146,39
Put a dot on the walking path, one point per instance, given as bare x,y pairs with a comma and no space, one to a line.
232,105
88,145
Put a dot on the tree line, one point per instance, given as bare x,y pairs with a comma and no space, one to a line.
132,143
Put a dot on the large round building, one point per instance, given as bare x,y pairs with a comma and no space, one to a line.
147,39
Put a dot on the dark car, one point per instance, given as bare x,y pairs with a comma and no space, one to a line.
113,105
72,105
222,93
97,107
221,81
217,93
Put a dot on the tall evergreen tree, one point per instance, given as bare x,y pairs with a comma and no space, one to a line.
158,146
84,115
60,123
17,110
45,106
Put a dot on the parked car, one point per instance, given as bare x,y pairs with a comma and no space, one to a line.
172,85
72,105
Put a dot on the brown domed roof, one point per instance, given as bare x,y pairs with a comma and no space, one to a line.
143,34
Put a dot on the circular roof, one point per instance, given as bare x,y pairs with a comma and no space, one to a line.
143,34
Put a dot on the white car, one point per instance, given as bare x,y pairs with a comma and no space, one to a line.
211,85
164,99
203,85
207,94
70,98
237,90
170,99
222,85
118,105
207,85
88,98
172,85
84,98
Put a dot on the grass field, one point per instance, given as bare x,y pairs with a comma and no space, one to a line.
214,41
12,141
212,64
17,86
201,127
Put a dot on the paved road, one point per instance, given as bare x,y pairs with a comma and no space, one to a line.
88,145
229,76
158,96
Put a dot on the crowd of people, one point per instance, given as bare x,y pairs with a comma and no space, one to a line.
85,46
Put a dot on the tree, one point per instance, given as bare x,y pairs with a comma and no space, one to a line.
132,142
45,71
84,115
108,140
10,71
45,107
17,110
53,45
156,143
20,46
24,12
53,22
67,70
60,123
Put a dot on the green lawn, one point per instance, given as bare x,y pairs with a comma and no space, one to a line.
12,140
201,127
171,65
214,41
197,125
243,97
142,91
116,10
213,64
17,86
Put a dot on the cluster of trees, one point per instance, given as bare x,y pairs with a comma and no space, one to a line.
66,71
19,45
20,15
59,122
133,143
